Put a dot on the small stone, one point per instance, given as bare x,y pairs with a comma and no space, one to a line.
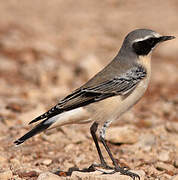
172,127
173,139
69,147
16,177
162,166
125,134
47,162
5,175
80,158
98,175
15,162
49,176
163,156
28,174
175,177
176,163
166,176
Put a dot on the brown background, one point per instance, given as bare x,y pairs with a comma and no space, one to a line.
49,48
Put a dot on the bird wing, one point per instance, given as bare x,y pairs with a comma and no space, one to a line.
118,85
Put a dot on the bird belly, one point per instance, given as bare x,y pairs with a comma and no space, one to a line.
111,108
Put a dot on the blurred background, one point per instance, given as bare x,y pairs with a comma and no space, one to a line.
49,48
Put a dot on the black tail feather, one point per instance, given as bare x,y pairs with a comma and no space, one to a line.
50,113
36,119
37,129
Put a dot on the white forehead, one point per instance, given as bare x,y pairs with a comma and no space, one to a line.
154,34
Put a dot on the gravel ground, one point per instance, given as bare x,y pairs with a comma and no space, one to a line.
49,48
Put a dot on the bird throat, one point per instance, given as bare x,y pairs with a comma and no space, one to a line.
145,61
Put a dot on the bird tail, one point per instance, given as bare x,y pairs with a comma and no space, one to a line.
75,116
36,130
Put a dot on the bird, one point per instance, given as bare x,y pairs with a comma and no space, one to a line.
108,94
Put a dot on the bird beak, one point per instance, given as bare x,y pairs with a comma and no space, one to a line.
166,38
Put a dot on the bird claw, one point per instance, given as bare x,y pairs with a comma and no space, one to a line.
124,171
129,173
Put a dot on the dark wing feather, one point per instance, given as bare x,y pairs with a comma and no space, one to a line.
119,85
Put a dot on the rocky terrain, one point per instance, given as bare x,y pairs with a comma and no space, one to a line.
49,48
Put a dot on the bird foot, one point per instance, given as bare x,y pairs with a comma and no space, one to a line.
124,171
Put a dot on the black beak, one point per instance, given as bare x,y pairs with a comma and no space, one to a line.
166,38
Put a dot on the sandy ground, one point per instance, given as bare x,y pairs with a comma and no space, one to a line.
49,48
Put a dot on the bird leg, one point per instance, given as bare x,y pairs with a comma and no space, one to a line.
117,168
103,164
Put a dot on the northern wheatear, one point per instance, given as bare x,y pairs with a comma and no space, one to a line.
109,94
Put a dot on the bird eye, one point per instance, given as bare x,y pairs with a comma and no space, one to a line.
151,41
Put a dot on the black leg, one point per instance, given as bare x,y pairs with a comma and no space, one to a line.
93,130
108,151
117,167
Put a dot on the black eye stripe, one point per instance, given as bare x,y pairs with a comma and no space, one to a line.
150,41
145,46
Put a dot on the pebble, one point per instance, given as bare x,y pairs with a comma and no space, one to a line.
80,158
5,175
15,162
28,174
165,176
172,127
49,176
47,162
162,166
15,177
98,175
163,156
125,134
175,177
176,163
